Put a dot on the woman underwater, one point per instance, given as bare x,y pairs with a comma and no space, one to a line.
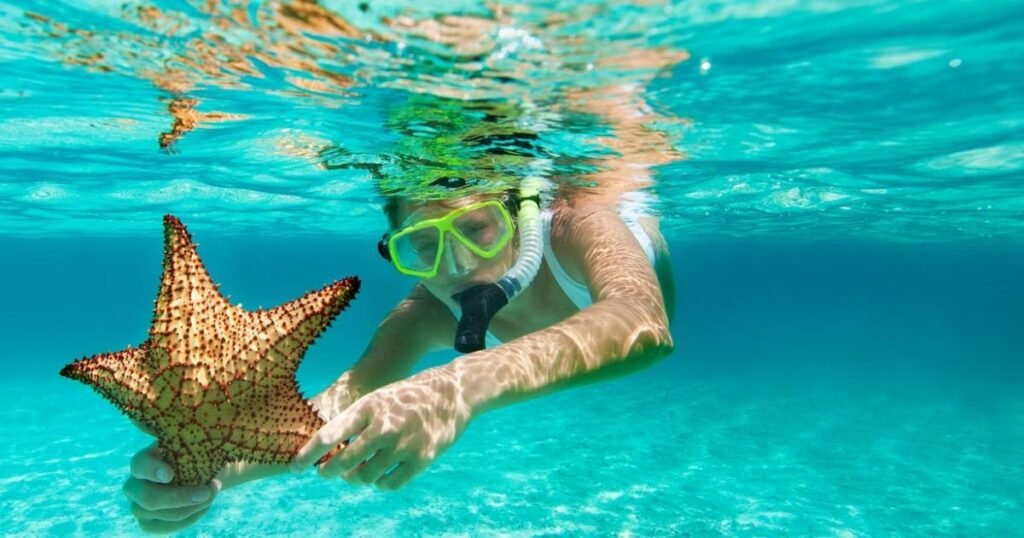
586,278
596,308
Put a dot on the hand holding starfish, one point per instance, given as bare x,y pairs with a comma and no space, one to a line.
158,505
392,433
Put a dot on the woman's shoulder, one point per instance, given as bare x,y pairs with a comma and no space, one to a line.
570,220
570,217
577,229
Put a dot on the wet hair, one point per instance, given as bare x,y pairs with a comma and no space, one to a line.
392,203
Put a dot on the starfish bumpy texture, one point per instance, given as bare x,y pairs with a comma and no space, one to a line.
214,382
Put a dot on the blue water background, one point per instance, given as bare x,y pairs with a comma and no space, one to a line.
816,390
846,230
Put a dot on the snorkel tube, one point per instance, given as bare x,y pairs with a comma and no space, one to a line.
480,303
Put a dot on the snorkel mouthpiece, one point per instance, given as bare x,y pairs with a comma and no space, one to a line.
479,304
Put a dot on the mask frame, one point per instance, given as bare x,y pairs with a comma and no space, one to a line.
387,246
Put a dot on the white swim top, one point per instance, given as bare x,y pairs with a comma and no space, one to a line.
577,292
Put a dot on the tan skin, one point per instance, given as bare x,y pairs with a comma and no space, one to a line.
403,423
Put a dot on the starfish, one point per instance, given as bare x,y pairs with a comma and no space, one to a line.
215,383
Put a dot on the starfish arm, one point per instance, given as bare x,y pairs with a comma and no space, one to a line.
188,302
292,327
119,377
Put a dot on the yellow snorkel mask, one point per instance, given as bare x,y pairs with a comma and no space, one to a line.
482,228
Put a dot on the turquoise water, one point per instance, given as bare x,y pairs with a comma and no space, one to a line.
840,184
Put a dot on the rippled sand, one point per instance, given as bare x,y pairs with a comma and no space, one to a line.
655,455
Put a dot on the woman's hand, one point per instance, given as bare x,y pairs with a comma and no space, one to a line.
401,428
158,506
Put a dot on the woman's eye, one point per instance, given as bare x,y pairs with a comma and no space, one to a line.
476,231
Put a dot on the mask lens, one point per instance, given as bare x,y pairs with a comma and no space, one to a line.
417,250
485,227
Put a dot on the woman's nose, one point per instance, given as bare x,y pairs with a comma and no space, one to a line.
458,259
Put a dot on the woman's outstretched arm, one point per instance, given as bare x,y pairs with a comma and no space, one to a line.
624,330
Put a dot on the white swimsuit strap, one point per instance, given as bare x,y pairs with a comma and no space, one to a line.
578,293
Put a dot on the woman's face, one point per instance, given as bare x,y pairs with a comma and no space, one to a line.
460,268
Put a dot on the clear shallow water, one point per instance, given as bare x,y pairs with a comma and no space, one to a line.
881,120
840,184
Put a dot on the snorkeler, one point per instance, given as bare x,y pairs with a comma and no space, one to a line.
539,295
539,299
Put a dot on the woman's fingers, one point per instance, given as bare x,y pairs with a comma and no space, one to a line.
152,496
401,475
371,469
169,514
340,429
147,465
163,527
354,453
362,449
158,506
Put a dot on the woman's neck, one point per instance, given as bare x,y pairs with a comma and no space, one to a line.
541,304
